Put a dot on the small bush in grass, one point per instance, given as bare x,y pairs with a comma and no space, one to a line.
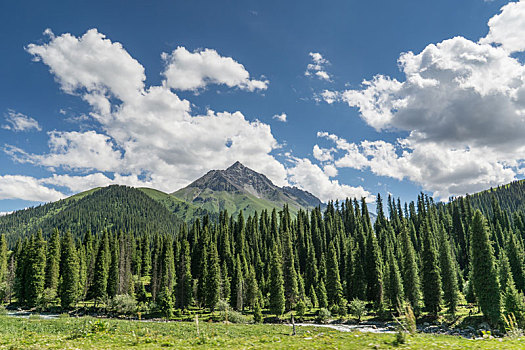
222,305
323,315
357,308
3,311
123,304
237,317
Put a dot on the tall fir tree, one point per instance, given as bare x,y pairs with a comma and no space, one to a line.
334,289
448,272
484,274
53,261
374,271
113,272
184,278
98,290
69,286
411,281
277,301
213,282
430,269
291,290
395,283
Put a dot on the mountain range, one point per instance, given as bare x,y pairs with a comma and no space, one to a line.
145,210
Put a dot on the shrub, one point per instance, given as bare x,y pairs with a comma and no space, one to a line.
300,308
323,315
334,309
222,305
48,297
343,307
257,312
357,308
123,304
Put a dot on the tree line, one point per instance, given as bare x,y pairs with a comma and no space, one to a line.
431,256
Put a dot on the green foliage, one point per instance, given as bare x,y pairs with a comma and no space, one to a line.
300,308
448,273
165,303
357,308
484,274
431,272
123,304
323,315
69,268
277,300
334,290
257,312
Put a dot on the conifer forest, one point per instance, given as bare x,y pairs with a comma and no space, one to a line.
432,257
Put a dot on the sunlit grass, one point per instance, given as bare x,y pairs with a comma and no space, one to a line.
92,333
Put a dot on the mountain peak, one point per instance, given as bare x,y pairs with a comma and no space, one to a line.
236,165
254,188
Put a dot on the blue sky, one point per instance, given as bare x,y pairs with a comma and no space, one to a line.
78,109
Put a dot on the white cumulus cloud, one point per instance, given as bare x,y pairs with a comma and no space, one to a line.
195,70
20,122
461,105
280,117
508,27
318,67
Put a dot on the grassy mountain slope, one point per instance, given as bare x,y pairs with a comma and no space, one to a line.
215,201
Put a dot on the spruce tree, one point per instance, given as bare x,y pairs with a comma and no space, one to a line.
68,290
374,271
36,263
113,272
516,256
146,256
395,286
411,282
277,300
100,275
321,295
334,290
213,282
184,278
291,291
53,261
3,258
313,297
252,289
448,273
512,299
431,272
484,274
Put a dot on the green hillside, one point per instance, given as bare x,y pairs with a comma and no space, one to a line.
181,209
113,207
511,198
216,201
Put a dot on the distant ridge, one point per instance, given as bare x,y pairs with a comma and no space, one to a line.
146,210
